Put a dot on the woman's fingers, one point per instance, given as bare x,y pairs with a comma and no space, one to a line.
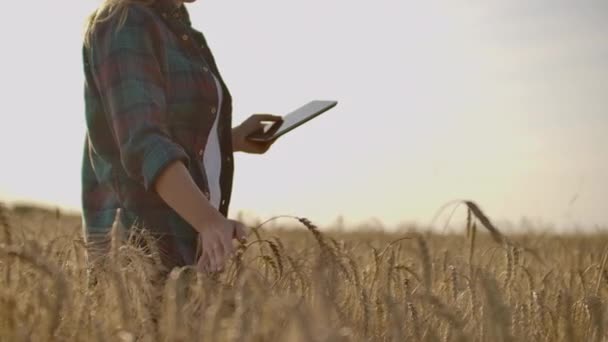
239,233
210,246
227,243
266,117
217,244
203,262
219,258
222,249
212,263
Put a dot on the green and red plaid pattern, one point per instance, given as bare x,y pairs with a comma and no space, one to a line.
150,99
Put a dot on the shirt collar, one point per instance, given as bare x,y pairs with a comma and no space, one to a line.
169,10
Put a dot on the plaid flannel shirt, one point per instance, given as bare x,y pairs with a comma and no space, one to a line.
150,99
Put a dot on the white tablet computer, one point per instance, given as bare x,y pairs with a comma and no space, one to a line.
292,120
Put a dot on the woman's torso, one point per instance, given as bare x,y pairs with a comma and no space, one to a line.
198,117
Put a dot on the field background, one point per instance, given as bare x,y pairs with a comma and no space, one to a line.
297,283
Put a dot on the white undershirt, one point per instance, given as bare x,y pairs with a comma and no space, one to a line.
212,159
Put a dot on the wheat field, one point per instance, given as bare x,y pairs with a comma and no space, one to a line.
298,283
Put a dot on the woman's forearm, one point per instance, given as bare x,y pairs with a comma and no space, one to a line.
177,188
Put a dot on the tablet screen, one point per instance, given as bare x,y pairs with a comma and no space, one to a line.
303,114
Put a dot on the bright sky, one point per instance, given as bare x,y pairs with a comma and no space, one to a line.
503,102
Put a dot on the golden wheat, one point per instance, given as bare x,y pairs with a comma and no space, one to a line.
304,284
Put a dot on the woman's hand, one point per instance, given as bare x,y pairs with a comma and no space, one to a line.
252,124
178,190
216,241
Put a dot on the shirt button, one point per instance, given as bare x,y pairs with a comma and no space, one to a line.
205,69
200,152
213,110
206,193
184,37
228,159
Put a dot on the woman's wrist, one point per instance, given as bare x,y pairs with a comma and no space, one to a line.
209,217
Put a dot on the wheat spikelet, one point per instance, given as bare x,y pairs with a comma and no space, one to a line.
276,263
277,255
5,225
444,263
99,333
596,312
415,321
393,244
380,321
83,318
297,270
500,314
524,322
537,312
120,289
469,221
472,247
344,267
174,302
326,251
60,284
6,229
449,315
410,271
366,312
529,278
138,237
236,269
453,282
407,289
598,282
377,268
473,300
273,265
427,266
509,268
579,312
515,321
567,315
390,274
7,315
485,221
240,328
334,245
395,321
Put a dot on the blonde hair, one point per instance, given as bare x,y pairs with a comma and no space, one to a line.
106,11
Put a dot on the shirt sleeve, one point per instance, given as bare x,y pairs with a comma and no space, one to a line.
132,85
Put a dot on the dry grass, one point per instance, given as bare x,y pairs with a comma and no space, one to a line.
307,285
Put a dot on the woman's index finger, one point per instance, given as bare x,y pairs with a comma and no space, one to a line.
268,117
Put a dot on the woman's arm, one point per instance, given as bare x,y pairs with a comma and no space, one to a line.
177,188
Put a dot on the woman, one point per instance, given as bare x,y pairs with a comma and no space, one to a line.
159,144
